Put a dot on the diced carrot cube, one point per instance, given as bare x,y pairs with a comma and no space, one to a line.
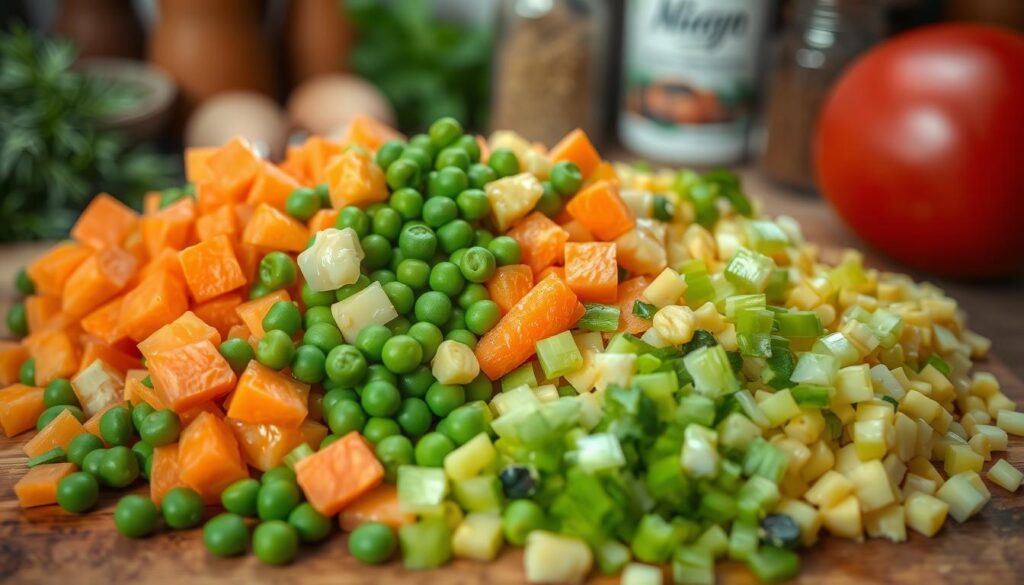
105,222
51,271
12,355
541,240
20,406
577,148
577,231
208,456
94,349
591,271
368,132
249,258
135,391
266,396
377,505
56,355
98,386
220,222
171,227
190,375
253,312
151,202
233,168
265,445
272,186
166,261
318,152
600,209
163,473
339,473
38,487
196,160
556,271
628,293
355,179
605,171
240,331
41,311
323,219
103,323
509,284
98,280
220,313
157,300
191,414
271,228
58,433
211,269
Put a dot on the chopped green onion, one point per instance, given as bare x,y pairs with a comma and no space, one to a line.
663,210
838,346
55,455
524,374
938,363
647,363
644,310
743,539
749,271
803,324
756,497
809,396
695,409
598,317
765,459
711,371
815,368
778,283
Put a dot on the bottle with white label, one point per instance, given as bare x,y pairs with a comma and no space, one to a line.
690,74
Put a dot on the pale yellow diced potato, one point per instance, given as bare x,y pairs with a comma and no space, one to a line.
829,490
806,517
822,459
871,485
708,318
846,459
923,467
844,519
511,140
942,388
875,410
925,438
978,344
925,514
981,445
998,439
332,261
512,198
943,420
984,385
651,337
915,483
895,468
370,306
779,407
554,558
641,574
1011,422
479,537
799,454
727,338
454,363
1000,402
613,368
640,202
966,495
806,427
888,522
844,412
960,458
904,437
536,163
1005,475
917,405
666,289
871,438
470,459
853,384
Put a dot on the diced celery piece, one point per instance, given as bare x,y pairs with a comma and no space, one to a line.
887,326
425,544
693,565
479,537
478,494
370,306
715,540
524,374
737,431
534,430
564,413
764,459
717,506
711,372
778,283
611,556
471,458
297,454
647,363
756,497
654,539
838,346
558,355
802,324
696,409
772,564
699,287
736,303
507,425
421,490
754,321
599,317
743,539
766,236
816,369
515,399
599,452
625,343
661,388
546,393
749,271
640,574
808,396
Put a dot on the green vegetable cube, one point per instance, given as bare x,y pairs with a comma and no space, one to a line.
478,537
425,544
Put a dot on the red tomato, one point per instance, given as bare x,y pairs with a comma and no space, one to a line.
920,148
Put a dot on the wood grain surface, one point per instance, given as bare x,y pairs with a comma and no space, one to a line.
46,545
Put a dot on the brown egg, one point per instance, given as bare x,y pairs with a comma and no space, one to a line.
250,115
328,102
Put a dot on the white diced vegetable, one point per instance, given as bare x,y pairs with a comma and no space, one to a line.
966,495
512,198
640,574
700,451
454,363
553,558
333,259
97,387
370,306
478,537
613,368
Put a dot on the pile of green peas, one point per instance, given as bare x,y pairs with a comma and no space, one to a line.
17,318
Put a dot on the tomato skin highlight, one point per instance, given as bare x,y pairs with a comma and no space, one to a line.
919,149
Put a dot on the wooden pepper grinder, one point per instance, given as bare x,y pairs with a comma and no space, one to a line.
211,46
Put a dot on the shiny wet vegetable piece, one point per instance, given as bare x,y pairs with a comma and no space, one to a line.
51,413
226,535
373,543
387,222
336,395
389,153
394,451
139,413
345,365
324,336
402,354
444,398
407,202
277,499
504,162
377,250
275,542
473,293
446,278
520,518
446,183
345,417
135,516
432,448
275,350
456,235
370,341
549,203
142,451
566,178
473,204
238,353
240,497
381,398
17,320
355,218
402,173
379,428
414,416
92,460
78,492
506,250
302,203
482,316
480,174
416,382
433,307
277,270
182,508
308,364
469,145
119,467
418,242
312,298
401,296
283,316
350,289
429,337
160,428
444,131
438,211
452,157
312,526
59,392
27,372
81,446
478,264
319,315
116,426
277,474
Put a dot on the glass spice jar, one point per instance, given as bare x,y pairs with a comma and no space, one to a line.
821,38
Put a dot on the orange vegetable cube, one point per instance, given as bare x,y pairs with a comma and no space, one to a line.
549,308
208,456
577,148
265,445
191,414
377,505
541,240
38,487
219,222
271,228
338,474
115,357
190,375
556,271
42,311
135,392
56,355
600,209
355,179
163,474
249,258
368,132
186,329
97,387
240,331
12,355
103,324
97,280
151,202
196,160
105,222
51,271
210,198
323,219
509,284
58,433
629,292
157,300
604,171
233,168
220,312
318,152
211,269
266,396
272,186
591,271
253,312
170,227
20,406
577,231
166,261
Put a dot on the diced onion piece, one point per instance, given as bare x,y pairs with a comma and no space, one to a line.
370,306
553,558
454,363
332,261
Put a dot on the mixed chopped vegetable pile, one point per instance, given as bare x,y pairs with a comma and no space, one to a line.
446,344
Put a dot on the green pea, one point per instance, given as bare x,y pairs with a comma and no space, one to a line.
387,223
78,492
139,414
24,283
325,336
283,316
504,162
27,372
302,203
324,193
308,364
135,516
478,264
311,526
53,412
480,174
455,235
423,142
160,428
418,241
481,316
457,320
346,366
17,320
550,204
429,337
182,508
414,416
414,273
423,158
119,467
445,131
463,336
473,204
276,500
328,440
378,428
81,446
466,422
432,448
407,202
438,211
520,518
506,250
402,354
433,307
403,172
446,278
116,426
277,270
452,157
315,299
444,398
350,289
143,452
351,216
319,316
59,392
259,290
92,460
370,341
240,497
416,382
373,543
380,398
380,372
566,178
482,238
275,542
226,535
377,251
401,296
277,474
275,350
388,153
394,451
399,325
336,395
238,353
345,417
447,183
469,144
